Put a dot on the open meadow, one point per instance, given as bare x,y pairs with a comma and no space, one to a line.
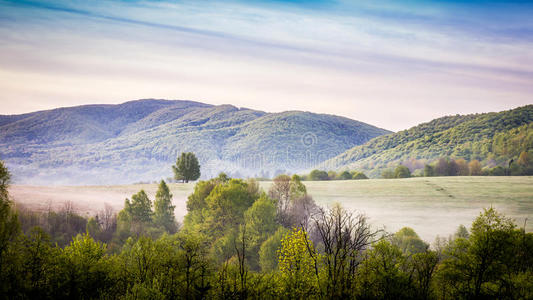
431,205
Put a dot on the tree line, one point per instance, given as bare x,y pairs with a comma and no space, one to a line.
320,175
240,242
445,166
522,165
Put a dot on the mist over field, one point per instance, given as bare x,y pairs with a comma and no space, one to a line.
432,206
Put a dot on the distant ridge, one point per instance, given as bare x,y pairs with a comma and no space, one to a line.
494,138
138,140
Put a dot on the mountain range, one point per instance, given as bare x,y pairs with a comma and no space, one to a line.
140,140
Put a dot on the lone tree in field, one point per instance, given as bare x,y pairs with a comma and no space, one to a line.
186,167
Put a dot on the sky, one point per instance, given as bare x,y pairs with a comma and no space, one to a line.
393,64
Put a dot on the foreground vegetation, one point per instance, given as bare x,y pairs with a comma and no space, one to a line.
239,242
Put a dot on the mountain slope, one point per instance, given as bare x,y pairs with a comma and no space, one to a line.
485,137
139,140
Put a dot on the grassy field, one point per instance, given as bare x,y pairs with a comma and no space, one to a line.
432,206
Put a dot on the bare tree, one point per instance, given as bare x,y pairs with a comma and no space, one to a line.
281,191
300,212
106,217
344,236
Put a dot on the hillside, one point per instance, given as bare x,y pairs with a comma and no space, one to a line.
493,138
139,140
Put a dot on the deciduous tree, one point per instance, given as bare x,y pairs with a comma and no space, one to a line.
187,167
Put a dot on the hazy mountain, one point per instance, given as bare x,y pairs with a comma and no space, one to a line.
139,140
493,138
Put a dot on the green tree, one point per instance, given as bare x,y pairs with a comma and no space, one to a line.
268,253
139,208
359,175
9,226
93,228
318,175
163,208
477,267
345,175
135,218
194,265
381,275
87,268
402,172
296,188
186,167
422,267
408,241
260,222
226,205
297,264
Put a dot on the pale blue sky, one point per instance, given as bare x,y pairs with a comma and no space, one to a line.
393,64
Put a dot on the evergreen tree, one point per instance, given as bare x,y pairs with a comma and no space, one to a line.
139,208
163,208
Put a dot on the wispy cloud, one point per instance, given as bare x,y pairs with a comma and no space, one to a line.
389,64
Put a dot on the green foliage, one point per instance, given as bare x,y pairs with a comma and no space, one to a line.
489,138
186,167
402,172
220,254
409,242
41,266
268,253
226,204
93,228
297,265
9,225
163,209
345,175
139,209
490,263
260,222
358,175
318,175
381,274
86,265
297,188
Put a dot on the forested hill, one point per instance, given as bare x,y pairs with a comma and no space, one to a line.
139,140
492,138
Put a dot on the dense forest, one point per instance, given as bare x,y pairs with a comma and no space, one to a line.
239,242
493,139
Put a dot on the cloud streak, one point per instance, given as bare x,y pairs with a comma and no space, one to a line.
391,65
